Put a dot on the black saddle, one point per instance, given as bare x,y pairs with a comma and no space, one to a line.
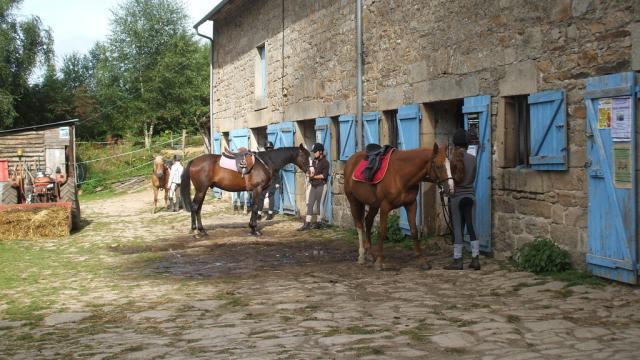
375,154
243,158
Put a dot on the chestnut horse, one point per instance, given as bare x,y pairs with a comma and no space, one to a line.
205,172
160,181
399,187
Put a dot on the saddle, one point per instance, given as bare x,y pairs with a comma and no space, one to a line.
374,166
244,159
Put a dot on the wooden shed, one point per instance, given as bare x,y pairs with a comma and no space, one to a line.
46,151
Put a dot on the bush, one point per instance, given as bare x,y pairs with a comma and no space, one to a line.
394,232
542,256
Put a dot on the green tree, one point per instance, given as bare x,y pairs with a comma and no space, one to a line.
151,50
24,44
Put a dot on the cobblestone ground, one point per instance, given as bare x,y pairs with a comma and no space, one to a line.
157,292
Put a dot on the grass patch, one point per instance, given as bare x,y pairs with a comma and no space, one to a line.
575,278
94,196
418,333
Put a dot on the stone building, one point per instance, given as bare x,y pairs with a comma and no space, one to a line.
532,78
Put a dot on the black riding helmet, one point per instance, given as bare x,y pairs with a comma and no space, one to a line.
460,137
317,147
268,145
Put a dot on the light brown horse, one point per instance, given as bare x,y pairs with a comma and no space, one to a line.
160,181
398,188
205,172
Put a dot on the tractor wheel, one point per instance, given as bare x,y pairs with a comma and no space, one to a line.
8,194
68,193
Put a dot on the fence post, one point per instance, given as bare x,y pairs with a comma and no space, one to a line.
171,138
184,140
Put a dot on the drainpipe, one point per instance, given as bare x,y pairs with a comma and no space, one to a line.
211,78
359,58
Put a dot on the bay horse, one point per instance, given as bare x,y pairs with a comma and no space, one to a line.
205,172
399,187
160,181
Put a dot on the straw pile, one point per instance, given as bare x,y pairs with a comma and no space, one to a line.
30,223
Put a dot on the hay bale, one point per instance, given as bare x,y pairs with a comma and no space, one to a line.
30,222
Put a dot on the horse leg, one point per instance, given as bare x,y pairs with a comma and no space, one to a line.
155,199
196,208
253,222
411,216
371,216
357,212
384,214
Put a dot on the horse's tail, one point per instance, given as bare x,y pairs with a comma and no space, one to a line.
185,187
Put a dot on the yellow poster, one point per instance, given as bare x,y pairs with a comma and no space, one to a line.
622,166
604,114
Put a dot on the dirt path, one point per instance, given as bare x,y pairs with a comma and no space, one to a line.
135,285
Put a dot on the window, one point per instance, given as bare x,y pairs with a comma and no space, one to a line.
535,131
261,72
391,117
516,135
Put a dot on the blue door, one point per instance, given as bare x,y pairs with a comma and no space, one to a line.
477,119
612,249
282,135
323,136
217,193
239,138
371,129
409,138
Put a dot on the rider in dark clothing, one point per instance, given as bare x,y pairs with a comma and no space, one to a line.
318,175
274,186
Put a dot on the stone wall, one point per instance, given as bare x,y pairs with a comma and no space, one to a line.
429,51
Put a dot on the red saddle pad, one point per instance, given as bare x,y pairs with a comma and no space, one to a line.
359,176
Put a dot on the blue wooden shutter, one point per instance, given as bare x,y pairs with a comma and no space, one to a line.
347,136
482,185
548,130
612,250
408,120
217,150
239,138
285,138
323,136
371,129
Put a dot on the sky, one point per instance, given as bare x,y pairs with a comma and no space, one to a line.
78,24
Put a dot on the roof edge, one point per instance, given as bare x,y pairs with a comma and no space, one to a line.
211,13
41,126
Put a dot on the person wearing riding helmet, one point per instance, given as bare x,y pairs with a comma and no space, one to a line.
462,199
274,185
174,183
318,174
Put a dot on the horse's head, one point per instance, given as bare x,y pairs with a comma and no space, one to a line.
158,167
439,170
302,158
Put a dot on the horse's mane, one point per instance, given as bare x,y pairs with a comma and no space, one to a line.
277,158
457,164
158,160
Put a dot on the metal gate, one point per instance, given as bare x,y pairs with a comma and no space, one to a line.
611,116
282,135
477,119
409,138
323,136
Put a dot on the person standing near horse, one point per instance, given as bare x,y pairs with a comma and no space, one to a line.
318,175
274,186
174,183
462,200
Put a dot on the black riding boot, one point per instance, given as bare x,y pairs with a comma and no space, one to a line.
305,227
475,263
456,264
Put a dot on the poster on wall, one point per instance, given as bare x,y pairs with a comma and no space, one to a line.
622,166
604,114
621,119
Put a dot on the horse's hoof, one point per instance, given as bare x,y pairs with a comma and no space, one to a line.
362,260
425,266
255,233
203,232
379,266
369,257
